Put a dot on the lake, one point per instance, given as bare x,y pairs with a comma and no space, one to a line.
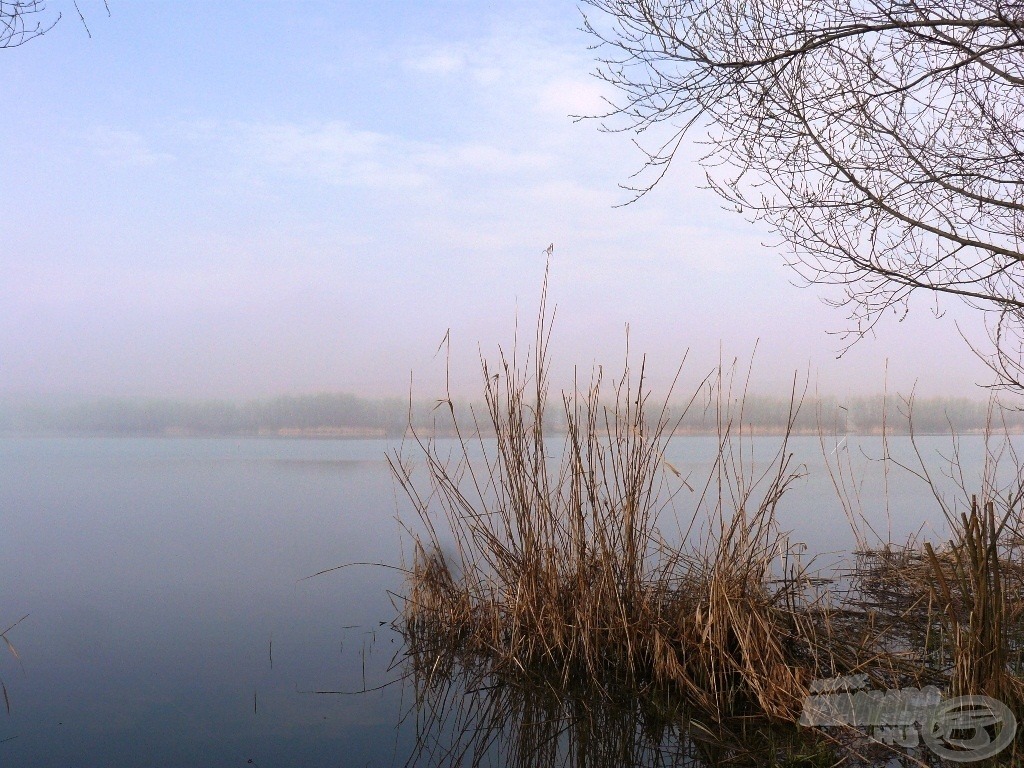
169,620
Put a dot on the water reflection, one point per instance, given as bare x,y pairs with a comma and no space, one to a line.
463,715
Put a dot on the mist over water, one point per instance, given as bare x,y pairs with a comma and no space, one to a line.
345,415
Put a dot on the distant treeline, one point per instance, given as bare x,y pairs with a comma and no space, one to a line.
344,415
862,415
331,413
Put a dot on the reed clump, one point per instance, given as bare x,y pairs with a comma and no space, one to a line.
550,559
540,564
955,612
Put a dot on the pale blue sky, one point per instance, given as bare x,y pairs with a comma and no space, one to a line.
240,199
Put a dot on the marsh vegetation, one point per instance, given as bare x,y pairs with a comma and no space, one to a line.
583,601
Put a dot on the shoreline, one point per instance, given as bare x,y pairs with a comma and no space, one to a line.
365,433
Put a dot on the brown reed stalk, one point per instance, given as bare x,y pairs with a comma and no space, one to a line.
552,561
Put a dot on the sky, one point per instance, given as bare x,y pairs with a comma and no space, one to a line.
248,199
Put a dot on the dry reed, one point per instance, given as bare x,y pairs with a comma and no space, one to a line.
554,561
546,565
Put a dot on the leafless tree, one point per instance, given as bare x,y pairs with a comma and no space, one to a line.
20,21
883,141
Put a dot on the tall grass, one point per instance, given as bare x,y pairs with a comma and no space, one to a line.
547,564
553,562
14,652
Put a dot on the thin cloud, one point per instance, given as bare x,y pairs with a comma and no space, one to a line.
335,153
438,63
126,147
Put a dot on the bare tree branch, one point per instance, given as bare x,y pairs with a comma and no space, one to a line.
883,142
20,22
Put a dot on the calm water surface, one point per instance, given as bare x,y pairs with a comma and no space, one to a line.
169,622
